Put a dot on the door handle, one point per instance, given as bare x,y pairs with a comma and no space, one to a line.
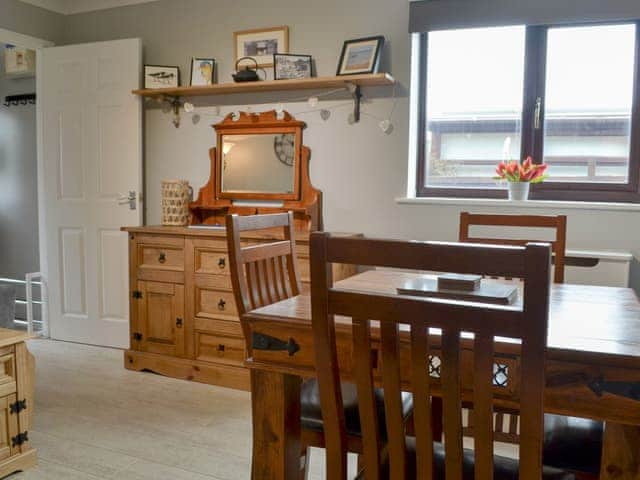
179,322
129,199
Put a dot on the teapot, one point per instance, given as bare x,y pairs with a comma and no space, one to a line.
248,73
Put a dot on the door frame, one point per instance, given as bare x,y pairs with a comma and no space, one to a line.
26,41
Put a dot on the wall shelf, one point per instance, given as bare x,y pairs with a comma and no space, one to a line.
368,80
352,83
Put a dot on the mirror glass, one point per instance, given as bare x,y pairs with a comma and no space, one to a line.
260,163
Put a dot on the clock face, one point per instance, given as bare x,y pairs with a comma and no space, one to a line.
284,146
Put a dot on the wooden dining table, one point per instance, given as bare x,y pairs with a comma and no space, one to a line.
592,369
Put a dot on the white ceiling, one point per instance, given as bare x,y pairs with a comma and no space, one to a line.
69,7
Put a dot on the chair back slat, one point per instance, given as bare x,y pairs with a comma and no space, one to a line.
265,273
557,223
452,403
363,377
390,355
483,405
527,323
422,412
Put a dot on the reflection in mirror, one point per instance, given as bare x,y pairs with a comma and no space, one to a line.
261,163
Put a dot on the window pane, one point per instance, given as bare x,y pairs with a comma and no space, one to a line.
474,104
589,93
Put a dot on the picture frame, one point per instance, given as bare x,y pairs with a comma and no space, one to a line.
288,66
261,44
161,76
203,72
360,56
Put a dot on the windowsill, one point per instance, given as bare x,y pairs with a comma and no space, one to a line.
491,202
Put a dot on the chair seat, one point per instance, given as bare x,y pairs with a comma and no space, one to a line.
504,468
311,413
573,443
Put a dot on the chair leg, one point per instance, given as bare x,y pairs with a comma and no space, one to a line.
304,462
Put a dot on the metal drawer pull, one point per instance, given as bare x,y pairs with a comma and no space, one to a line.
179,322
260,341
162,257
222,263
221,347
221,304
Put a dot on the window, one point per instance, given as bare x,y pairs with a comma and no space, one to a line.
563,95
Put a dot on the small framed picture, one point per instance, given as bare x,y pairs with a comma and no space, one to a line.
360,56
291,67
203,71
158,76
262,44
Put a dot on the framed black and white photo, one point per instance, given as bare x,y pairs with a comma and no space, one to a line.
203,71
158,76
361,55
291,67
262,44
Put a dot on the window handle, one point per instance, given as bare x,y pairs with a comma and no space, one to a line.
537,114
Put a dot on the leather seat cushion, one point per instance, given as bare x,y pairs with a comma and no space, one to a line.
504,468
311,412
573,443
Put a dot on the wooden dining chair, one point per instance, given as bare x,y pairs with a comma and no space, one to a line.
266,273
557,223
570,443
408,319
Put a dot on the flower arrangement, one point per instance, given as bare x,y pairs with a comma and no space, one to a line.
514,171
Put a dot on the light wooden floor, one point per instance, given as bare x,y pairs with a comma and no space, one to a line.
96,420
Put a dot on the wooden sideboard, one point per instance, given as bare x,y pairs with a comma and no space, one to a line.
184,321
17,373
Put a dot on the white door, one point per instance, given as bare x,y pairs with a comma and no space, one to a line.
90,154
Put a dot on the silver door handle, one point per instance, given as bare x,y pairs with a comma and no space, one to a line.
128,199
537,113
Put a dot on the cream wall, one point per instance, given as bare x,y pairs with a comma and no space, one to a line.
360,169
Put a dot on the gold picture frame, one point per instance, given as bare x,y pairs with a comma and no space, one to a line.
261,44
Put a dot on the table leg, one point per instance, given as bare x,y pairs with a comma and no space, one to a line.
275,399
621,452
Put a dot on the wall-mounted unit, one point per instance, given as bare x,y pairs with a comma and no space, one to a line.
19,62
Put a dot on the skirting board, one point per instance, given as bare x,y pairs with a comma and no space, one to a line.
187,369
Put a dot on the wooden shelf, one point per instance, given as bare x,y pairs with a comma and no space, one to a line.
368,80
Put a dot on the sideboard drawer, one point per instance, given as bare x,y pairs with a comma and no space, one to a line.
7,371
161,253
214,303
227,328
216,348
211,261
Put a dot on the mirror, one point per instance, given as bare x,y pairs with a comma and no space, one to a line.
263,163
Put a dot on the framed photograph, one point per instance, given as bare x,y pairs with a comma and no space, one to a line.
291,67
360,56
158,76
262,44
203,71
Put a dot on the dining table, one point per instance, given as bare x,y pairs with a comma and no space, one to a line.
592,368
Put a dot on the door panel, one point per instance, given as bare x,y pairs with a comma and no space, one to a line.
90,153
161,318
8,428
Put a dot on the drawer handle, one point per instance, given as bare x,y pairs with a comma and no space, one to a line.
179,322
162,257
222,263
260,341
221,304
221,347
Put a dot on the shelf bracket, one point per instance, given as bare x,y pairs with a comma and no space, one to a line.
356,92
176,104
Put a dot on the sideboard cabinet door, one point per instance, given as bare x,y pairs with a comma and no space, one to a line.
159,326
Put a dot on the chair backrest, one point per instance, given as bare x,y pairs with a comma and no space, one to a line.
266,272
527,323
558,223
